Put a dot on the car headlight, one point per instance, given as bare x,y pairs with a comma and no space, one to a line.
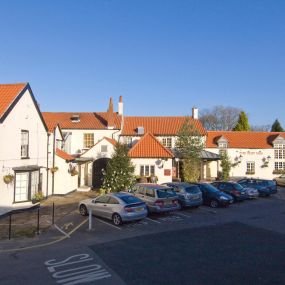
224,198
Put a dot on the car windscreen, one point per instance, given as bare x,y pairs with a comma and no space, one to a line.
211,188
128,199
192,189
238,187
165,193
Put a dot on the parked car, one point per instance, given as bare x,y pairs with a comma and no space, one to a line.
189,195
118,207
264,187
232,188
280,180
251,193
213,197
158,198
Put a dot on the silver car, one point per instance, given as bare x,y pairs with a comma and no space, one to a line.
280,180
158,198
118,207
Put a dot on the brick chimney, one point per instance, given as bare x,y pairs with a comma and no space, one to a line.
110,115
195,113
120,106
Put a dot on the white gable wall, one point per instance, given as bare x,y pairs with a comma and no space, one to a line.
23,116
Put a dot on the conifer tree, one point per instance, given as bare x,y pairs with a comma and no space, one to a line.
276,127
119,173
189,145
226,166
242,124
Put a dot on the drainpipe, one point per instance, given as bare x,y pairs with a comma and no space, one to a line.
53,161
48,134
115,133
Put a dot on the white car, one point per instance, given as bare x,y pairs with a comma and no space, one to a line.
280,180
251,192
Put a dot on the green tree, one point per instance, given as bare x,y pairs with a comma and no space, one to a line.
226,166
242,124
119,173
276,127
189,145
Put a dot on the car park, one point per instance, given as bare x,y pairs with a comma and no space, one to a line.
232,188
213,197
189,195
118,207
280,180
264,187
158,198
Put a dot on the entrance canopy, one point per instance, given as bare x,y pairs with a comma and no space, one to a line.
209,156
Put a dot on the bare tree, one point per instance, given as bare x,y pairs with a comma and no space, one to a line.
261,128
220,118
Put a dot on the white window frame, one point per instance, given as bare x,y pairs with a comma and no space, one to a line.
88,140
250,167
24,144
147,170
167,142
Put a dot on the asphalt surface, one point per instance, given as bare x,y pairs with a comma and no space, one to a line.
242,244
233,253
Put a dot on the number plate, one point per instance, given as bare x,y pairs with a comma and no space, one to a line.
139,209
195,197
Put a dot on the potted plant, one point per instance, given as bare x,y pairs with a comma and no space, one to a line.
73,172
53,169
37,197
8,178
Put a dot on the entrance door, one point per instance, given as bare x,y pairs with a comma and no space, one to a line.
99,166
21,187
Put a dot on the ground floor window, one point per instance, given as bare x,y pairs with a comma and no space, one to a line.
250,167
147,170
26,185
279,165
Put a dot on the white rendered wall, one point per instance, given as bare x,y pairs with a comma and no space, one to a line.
23,116
159,167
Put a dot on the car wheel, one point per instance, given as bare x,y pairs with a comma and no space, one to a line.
117,220
83,210
214,204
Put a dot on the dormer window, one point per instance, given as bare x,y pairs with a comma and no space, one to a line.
223,144
75,118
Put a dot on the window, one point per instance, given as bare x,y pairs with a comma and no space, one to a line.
223,145
149,192
279,165
167,142
222,152
147,170
104,148
88,140
103,199
279,153
24,144
113,201
34,183
250,167
22,187
128,141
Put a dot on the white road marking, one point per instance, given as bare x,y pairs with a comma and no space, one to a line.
183,215
72,274
108,224
62,231
149,219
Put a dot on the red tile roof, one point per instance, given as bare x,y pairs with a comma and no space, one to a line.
243,139
163,126
62,154
88,120
112,141
8,93
149,147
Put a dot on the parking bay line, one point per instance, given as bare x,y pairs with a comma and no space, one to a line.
109,224
183,215
152,220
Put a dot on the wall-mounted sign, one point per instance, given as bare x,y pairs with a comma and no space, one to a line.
251,152
167,172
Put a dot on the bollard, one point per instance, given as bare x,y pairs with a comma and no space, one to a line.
38,225
53,213
10,226
90,219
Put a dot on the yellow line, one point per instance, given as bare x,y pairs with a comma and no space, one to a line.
44,244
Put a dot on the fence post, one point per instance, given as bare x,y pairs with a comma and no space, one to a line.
53,213
10,226
38,226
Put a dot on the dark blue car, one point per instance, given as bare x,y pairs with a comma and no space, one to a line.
264,187
214,197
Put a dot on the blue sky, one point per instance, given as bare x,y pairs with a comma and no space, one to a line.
163,56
